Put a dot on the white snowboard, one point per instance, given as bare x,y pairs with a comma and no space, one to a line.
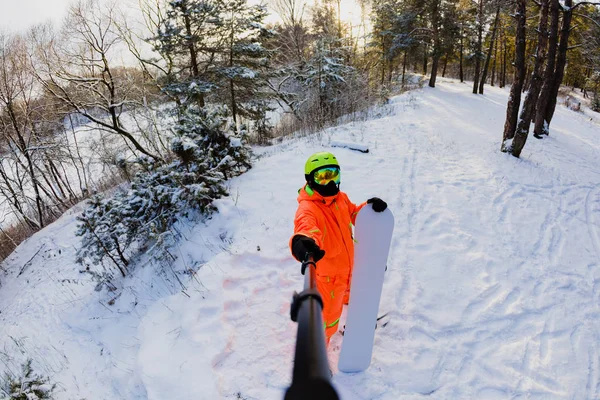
373,235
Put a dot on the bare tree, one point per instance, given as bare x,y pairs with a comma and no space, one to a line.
294,35
76,68
489,53
16,88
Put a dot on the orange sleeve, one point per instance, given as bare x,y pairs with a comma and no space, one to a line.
305,223
354,209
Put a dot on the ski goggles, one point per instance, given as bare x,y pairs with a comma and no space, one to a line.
325,175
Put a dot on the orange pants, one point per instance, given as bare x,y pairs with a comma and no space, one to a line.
334,290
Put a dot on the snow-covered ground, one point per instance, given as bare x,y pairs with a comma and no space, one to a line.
492,290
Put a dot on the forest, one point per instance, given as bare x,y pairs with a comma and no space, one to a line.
148,113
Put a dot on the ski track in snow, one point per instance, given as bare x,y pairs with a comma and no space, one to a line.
492,289
592,208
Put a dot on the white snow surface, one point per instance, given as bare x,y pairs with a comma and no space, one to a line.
492,288
353,146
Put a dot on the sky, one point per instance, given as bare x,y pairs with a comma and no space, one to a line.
19,15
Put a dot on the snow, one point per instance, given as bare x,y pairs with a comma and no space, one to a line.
492,288
353,146
235,141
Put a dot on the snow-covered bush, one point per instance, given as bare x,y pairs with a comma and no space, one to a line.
140,217
204,135
26,386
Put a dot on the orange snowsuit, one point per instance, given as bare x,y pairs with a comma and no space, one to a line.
329,221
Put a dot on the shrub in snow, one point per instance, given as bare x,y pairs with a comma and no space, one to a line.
114,229
596,102
205,135
26,386
572,103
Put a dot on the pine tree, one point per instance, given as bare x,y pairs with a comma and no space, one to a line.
243,69
27,386
187,40
325,77
102,233
391,34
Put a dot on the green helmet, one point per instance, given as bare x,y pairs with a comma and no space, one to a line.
319,160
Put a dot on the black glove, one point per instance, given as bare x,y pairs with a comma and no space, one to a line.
302,245
378,204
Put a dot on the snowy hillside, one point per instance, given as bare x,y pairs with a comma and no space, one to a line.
492,290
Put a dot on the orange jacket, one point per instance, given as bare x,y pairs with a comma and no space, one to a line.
329,221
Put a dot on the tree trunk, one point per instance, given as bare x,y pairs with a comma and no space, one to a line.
460,65
489,53
541,126
193,53
495,63
14,199
504,57
479,46
27,154
425,60
514,100
561,61
434,68
383,58
404,68
526,82
445,65
535,83
339,21
436,43
231,85
588,75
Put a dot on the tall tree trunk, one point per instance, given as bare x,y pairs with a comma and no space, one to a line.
231,85
390,70
561,62
193,53
404,67
514,100
437,51
434,68
588,74
23,148
460,65
339,15
17,205
489,53
540,121
425,57
535,85
383,59
526,82
445,65
504,57
495,63
479,46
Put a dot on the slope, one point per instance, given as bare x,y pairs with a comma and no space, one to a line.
492,290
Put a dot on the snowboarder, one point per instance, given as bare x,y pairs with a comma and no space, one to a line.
323,227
